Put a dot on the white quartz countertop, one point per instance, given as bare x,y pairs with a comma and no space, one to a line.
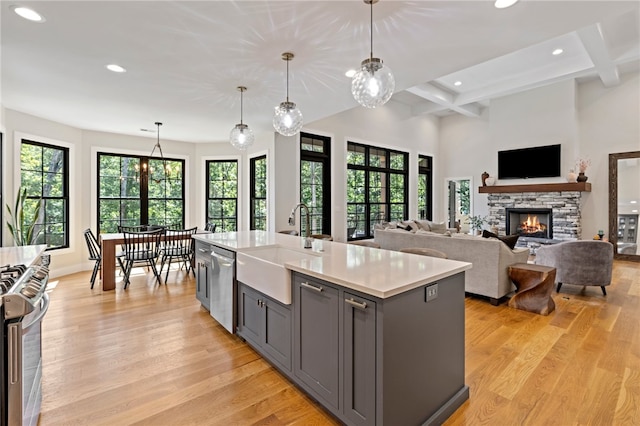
22,255
377,272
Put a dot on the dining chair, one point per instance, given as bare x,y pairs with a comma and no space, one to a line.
210,226
95,253
141,247
178,244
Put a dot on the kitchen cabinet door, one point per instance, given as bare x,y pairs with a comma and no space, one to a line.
250,313
266,324
203,261
316,339
359,345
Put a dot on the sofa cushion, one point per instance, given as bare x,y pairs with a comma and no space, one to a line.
440,228
423,224
509,240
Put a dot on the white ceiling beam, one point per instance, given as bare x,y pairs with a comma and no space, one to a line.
443,98
427,108
594,43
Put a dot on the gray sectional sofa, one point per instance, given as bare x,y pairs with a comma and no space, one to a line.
490,257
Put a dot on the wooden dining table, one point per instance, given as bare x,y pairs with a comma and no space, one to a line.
109,243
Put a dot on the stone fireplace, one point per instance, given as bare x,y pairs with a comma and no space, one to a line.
529,222
558,208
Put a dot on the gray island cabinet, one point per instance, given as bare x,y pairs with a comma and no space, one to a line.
375,336
369,361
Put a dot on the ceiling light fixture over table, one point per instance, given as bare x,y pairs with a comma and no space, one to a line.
287,119
165,166
241,136
374,83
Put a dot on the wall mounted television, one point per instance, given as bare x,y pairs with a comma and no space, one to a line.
535,162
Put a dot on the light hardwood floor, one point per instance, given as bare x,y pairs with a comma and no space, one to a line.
151,355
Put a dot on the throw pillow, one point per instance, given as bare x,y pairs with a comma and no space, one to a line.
423,224
438,227
509,240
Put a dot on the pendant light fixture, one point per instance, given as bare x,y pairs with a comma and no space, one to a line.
287,119
373,84
165,166
241,136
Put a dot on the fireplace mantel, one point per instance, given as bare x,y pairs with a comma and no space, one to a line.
542,187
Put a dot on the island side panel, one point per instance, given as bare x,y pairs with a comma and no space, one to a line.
420,363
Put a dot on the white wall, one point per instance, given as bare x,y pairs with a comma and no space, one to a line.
609,122
389,126
83,147
588,120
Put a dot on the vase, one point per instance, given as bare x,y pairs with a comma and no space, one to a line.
490,181
484,177
572,177
582,177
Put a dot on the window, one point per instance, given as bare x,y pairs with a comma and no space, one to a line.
425,187
315,182
377,188
258,201
44,173
222,194
135,190
2,203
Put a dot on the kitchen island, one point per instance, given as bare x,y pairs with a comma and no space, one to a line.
375,336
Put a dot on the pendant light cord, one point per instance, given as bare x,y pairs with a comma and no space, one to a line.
241,93
371,22
287,60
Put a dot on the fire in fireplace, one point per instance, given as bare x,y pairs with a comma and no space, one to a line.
526,222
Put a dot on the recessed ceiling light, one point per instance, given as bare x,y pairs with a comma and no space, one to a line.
634,211
350,73
115,68
28,14
557,52
457,83
503,4
633,202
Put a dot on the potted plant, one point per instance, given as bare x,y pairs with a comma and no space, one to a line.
476,223
23,229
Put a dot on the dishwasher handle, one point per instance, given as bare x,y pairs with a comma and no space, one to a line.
223,261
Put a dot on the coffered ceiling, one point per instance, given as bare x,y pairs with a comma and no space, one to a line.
185,59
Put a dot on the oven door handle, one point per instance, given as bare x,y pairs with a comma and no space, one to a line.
43,311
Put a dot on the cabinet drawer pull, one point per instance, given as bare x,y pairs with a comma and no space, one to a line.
361,305
201,250
311,287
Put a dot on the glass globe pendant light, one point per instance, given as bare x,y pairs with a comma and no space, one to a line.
287,119
373,83
241,136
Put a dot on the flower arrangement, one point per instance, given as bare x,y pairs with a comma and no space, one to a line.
582,165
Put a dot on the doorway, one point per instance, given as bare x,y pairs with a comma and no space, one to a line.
458,202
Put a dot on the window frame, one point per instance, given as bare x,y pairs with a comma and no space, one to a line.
2,202
323,157
252,191
143,180
426,173
209,218
388,171
64,198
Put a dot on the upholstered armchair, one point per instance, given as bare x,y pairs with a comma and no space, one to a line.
586,262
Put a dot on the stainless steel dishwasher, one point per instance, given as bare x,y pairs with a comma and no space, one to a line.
222,283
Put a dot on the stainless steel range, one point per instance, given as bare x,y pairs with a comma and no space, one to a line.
23,304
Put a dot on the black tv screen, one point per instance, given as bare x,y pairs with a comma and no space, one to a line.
536,162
